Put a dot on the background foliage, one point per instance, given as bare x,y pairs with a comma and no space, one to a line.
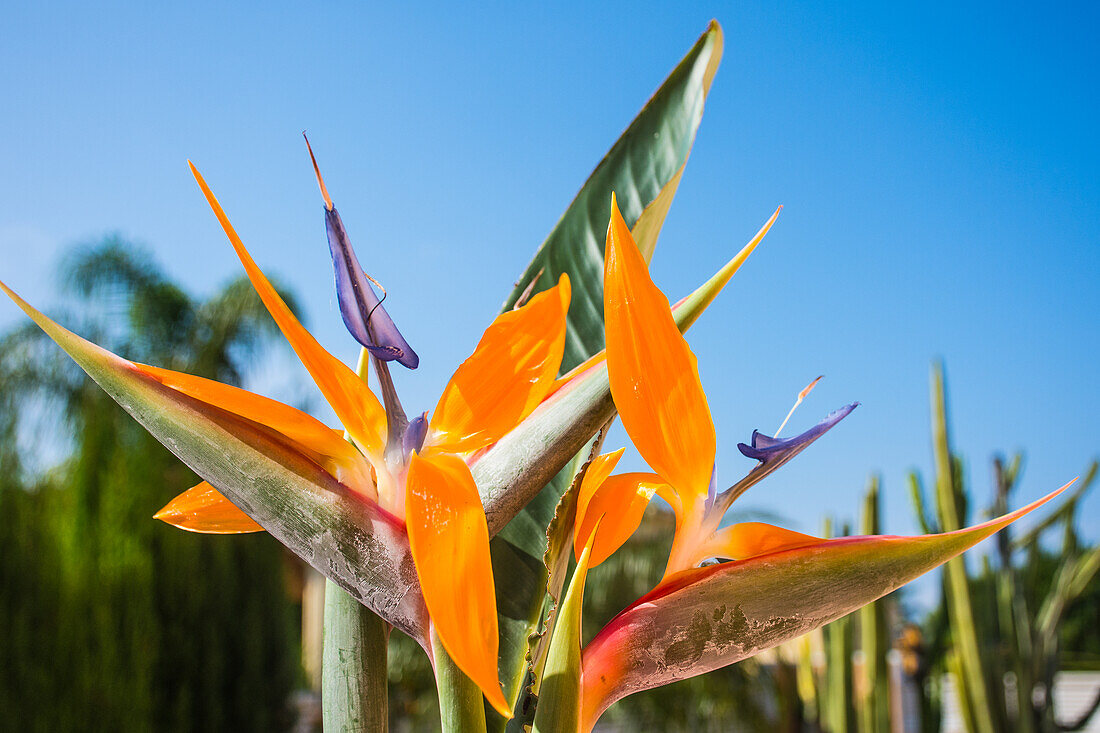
114,621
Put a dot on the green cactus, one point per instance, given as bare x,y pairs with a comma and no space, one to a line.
1023,641
989,627
874,708
838,710
950,508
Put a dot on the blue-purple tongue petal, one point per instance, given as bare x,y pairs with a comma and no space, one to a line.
777,451
363,313
414,434
774,452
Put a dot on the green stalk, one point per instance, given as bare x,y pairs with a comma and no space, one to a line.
461,706
836,703
1011,604
874,712
961,609
353,676
354,693
838,673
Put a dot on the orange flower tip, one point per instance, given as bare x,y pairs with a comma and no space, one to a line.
615,213
809,387
565,287
201,181
495,696
317,172
1040,501
801,396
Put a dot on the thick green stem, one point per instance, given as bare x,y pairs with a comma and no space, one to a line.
353,678
354,696
461,706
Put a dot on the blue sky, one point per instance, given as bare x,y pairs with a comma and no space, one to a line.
937,163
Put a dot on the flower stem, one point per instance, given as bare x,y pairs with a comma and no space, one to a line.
353,677
461,705
354,696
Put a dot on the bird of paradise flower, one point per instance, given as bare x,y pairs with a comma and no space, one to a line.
412,481
769,583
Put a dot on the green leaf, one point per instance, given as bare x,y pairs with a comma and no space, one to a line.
714,616
643,168
560,692
359,546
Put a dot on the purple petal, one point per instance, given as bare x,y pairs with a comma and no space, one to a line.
414,434
365,318
774,452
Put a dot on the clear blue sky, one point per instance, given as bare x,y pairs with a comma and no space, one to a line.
938,166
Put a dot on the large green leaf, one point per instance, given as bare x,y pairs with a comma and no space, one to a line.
643,168
714,616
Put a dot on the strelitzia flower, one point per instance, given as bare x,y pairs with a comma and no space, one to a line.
770,583
416,481
420,474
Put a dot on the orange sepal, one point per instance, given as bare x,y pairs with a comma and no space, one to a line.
352,401
510,372
449,539
204,509
333,452
750,539
653,374
615,506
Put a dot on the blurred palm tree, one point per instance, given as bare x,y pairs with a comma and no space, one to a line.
114,621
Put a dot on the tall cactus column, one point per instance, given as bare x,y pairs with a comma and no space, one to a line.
874,710
949,497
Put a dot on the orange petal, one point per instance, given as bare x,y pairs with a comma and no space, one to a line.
616,506
450,546
750,539
688,309
653,373
352,401
510,372
334,453
204,509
